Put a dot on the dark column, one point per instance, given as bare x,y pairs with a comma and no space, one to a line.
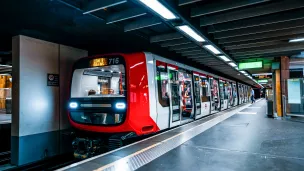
284,78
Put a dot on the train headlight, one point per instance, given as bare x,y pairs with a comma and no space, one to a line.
73,105
120,105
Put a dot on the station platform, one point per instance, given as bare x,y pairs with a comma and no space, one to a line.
241,138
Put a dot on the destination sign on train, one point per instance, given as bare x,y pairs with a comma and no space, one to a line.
98,62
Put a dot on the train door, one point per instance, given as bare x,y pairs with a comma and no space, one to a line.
197,94
248,93
245,94
174,90
234,93
186,93
240,94
215,95
205,96
223,98
229,93
164,116
226,99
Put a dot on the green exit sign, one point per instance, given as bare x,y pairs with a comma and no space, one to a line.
262,81
250,65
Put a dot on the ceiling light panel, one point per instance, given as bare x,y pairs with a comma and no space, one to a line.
159,9
212,49
190,32
297,40
224,58
232,64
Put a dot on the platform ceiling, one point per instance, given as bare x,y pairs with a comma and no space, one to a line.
245,30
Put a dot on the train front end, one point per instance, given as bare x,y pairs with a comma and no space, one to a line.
109,102
98,102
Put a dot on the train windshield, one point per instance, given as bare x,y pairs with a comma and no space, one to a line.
105,81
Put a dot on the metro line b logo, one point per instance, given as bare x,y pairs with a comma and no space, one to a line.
53,80
51,77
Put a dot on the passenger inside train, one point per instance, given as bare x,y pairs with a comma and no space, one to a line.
215,102
186,95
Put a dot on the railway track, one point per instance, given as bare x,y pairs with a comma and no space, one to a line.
48,164
5,157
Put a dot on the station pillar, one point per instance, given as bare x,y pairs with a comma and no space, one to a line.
41,75
278,98
284,77
281,75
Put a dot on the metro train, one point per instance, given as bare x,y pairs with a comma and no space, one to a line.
131,95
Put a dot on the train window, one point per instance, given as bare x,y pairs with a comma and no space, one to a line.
222,90
205,90
175,97
229,93
226,91
185,79
234,91
162,85
215,99
106,81
197,89
174,87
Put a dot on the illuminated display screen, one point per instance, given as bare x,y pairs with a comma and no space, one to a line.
262,76
250,65
262,81
99,62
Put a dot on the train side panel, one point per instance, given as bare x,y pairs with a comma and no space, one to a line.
151,86
163,113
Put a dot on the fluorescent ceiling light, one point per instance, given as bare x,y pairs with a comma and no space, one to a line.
243,72
232,64
5,65
159,8
297,40
262,74
212,49
237,68
296,62
190,32
225,58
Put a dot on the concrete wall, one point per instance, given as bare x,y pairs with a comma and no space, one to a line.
39,112
68,55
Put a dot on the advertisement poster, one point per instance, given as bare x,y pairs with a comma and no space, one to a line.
294,91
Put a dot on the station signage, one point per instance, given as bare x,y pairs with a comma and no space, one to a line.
53,80
263,81
250,65
262,76
99,62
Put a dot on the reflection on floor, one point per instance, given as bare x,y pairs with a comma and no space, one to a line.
5,118
2,111
214,111
243,142
185,118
